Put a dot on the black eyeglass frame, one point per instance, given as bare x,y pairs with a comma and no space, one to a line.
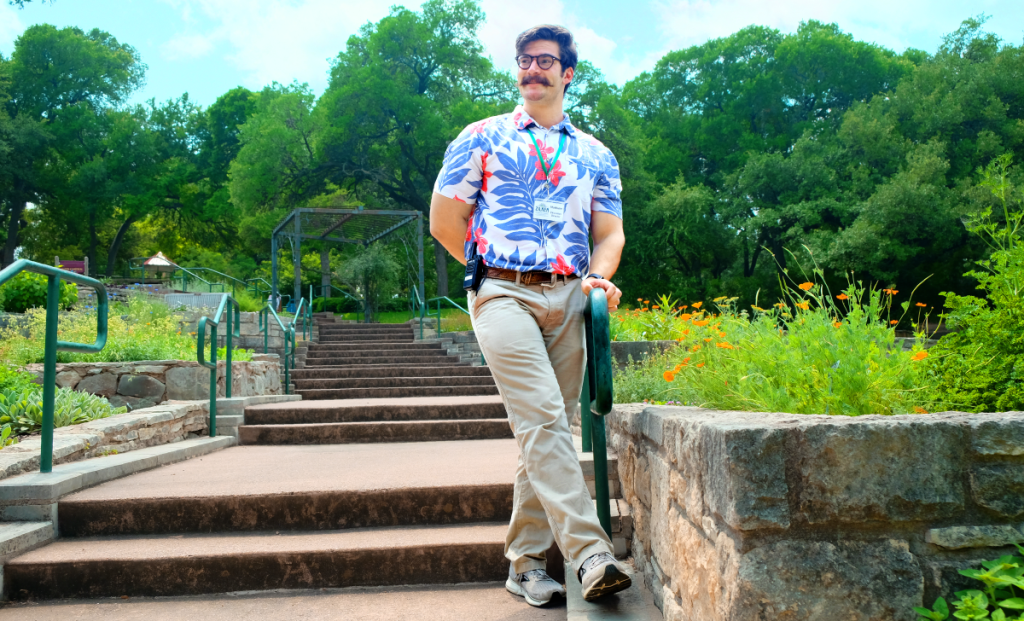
538,58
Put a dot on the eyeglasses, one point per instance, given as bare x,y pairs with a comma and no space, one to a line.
544,61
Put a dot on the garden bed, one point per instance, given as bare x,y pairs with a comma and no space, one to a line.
741,515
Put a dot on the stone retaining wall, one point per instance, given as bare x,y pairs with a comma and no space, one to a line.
249,329
748,516
150,382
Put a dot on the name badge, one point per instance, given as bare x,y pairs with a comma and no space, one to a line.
548,210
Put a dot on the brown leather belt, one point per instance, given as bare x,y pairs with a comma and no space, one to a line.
526,278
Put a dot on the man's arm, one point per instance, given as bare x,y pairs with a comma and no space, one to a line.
449,220
609,239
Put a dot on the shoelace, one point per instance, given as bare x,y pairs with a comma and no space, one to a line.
593,561
540,574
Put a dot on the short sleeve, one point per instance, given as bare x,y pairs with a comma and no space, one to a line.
461,171
608,187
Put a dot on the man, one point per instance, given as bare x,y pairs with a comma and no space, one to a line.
524,191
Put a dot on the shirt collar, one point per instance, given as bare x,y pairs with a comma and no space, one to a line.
522,120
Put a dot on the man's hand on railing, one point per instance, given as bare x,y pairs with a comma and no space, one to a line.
612,292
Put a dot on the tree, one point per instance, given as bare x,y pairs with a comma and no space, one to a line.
400,91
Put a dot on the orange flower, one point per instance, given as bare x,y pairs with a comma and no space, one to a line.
695,347
685,316
656,307
639,299
893,322
890,291
721,334
803,305
686,360
700,364
701,324
920,410
687,331
837,324
921,355
842,296
921,305
807,286
724,345
780,305
707,340
698,304
669,376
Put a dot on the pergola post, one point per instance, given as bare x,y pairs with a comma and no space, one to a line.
419,255
273,267
297,257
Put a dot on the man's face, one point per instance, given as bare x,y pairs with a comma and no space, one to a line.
543,85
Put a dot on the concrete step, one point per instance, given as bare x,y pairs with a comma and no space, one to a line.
449,361
343,346
319,354
367,370
367,410
390,431
328,337
633,604
201,563
391,382
372,329
457,602
396,393
403,359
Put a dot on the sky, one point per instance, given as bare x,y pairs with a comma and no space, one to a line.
207,47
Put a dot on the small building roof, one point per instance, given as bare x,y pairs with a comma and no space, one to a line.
159,260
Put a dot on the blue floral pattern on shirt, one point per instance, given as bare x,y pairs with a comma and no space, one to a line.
494,165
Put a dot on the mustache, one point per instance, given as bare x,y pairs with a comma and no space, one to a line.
535,79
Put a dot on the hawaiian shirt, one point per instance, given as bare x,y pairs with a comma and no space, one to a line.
493,165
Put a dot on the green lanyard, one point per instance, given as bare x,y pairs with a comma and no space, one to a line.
547,168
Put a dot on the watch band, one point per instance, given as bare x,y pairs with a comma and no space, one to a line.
592,275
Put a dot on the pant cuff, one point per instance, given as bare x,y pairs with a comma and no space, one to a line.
589,551
524,565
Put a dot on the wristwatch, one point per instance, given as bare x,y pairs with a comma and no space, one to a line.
597,276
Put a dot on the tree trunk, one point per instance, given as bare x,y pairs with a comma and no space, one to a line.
13,230
93,241
325,268
441,259
115,246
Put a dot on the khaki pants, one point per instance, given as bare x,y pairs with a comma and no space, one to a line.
532,338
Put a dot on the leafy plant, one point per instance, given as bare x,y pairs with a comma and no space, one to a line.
23,410
979,366
999,600
812,353
6,439
13,379
28,290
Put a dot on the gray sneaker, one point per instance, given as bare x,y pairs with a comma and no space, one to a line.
536,586
602,575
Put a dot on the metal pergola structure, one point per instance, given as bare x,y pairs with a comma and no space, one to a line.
341,226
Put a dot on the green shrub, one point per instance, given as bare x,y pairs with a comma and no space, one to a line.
979,366
998,599
337,305
812,354
24,409
28,290
12,378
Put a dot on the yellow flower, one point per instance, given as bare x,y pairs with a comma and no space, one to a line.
758,308
780,305
807,286
720,299
921,355
803,305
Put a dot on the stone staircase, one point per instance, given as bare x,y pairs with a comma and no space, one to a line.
395,468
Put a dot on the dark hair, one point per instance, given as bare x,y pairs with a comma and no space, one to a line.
548,32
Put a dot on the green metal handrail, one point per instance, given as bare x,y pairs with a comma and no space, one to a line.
185,272
264,325
439,300
223,275
235,322
596,397
52,345
256,291
307,319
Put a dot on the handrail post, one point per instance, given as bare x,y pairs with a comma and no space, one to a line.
49,372
597,396
586,423
227,356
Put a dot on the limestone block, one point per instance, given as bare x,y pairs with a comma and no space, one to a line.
68,379
999,488
849,580
120,401
745,480
150,368
998,434
141,386
958,537
188,383
894,469
102,384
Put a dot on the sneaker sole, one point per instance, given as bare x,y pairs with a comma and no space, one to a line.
612,581
513,587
